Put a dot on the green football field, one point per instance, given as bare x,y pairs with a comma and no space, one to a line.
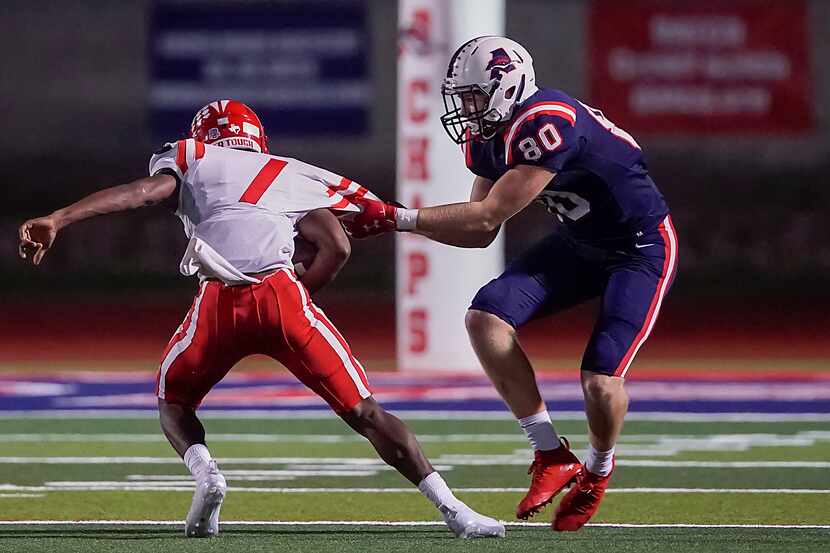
96,484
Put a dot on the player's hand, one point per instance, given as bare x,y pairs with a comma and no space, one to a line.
36,237
375,217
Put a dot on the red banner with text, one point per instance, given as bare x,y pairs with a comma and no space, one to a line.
731,66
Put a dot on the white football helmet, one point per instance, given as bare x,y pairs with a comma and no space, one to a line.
486,78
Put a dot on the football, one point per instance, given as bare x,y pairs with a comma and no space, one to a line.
304,253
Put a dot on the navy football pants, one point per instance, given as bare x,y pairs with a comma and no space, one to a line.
558,273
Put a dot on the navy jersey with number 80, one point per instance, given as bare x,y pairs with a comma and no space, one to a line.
602,190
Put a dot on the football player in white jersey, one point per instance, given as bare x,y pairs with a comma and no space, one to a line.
241,209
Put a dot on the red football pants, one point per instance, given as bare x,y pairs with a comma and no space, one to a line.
275,318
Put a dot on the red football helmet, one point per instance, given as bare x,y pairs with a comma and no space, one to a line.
231,124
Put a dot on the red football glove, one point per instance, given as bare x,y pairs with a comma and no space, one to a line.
376,217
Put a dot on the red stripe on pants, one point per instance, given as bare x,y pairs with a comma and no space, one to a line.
668,269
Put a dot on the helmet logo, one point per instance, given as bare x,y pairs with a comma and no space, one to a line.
225,122
499,64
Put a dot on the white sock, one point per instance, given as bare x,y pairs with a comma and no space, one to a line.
599,462
540,431
197,458
436,490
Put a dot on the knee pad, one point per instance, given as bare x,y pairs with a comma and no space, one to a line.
604,353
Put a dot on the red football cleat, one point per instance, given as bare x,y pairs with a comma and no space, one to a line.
552,471
581,501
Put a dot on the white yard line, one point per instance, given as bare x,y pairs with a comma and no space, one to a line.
719,490
185,485
683,525
453,460
410,523
644,446
96,461
261,438
697,441
723,464
420,414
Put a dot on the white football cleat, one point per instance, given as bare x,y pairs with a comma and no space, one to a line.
466,523
203,517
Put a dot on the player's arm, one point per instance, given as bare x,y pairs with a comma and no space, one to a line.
471,224
481,188
474,224
323,229
38,235
536,151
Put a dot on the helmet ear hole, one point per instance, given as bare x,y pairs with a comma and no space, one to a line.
508,94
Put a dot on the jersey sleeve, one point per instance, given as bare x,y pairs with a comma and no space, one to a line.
477,160
543,135
177,158
315,188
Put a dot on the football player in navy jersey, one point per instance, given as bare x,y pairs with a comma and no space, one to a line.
616,243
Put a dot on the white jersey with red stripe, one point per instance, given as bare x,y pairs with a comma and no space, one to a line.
240,208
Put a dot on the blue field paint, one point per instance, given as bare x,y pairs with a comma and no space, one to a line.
455,393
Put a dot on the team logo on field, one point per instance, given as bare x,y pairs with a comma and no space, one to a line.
499,64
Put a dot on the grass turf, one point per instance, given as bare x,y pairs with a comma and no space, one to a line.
647,440
302,539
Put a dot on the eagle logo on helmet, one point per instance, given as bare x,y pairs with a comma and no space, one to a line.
499,64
